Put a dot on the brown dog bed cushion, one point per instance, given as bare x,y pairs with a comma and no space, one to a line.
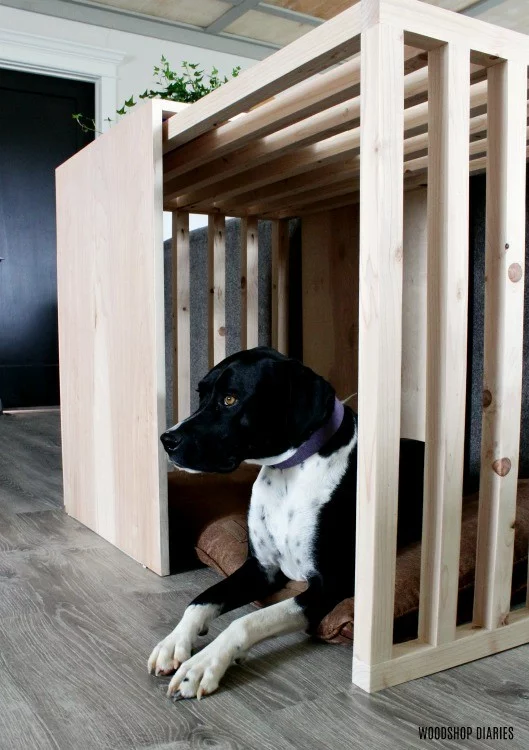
214,512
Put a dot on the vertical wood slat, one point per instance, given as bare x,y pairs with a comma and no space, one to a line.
504,305
447,304
217,288
181,317
380,337
280,280
249,283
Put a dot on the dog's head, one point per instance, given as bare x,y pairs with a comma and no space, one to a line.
256,404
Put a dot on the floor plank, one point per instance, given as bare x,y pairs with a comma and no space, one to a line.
78,619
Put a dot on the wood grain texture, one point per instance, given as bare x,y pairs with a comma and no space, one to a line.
290,106
111,336
417,659
329,284
327,150
317,50
181,317
249,283
217,288
40,488
503,354
425,24
78,619
380,341
446,357
280,282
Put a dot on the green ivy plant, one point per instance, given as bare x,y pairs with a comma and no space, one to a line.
187,86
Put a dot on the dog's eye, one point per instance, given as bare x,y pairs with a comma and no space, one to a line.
230,400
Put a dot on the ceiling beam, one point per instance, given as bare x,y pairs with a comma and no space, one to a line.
89,12
479,7
289,15
231,15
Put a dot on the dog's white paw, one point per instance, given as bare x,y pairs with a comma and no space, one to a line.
201,674
169,654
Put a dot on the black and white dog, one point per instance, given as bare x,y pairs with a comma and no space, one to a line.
261,407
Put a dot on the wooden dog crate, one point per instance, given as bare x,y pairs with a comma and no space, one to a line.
443,96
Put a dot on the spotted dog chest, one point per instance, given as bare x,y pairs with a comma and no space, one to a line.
285,510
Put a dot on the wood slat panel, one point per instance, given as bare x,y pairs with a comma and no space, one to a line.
280,278
217,288
328,151
249,283
415,659
380,335
187,168
447,303
317,50
111,336
295,104
181,317
330,242
504,304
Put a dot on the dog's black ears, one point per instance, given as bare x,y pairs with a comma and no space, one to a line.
311,402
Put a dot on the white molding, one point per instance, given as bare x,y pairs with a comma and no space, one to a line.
57,57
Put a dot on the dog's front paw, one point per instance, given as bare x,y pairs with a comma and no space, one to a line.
169,654
201,674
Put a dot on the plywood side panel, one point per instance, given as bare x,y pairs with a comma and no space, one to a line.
111,337
330,244
330,296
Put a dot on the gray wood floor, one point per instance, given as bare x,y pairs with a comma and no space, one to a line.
78,619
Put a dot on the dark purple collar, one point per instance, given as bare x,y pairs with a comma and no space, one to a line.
317,440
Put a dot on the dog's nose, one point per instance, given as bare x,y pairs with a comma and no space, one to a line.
170,440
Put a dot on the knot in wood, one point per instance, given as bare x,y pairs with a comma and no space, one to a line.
222,331
515,272
502,466
487,398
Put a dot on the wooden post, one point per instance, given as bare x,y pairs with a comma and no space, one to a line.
504,303
447,302
249,283
280,268
217,288
380,336
181,317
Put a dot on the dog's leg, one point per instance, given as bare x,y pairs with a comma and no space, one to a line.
249,582
201,674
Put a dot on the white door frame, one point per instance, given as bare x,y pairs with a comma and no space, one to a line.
63,59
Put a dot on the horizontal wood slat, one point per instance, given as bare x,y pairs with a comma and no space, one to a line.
326,45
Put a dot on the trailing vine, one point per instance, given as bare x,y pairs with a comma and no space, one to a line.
191,84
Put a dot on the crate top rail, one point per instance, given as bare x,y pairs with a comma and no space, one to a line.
283,139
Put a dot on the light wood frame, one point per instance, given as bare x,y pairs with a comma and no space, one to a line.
293,137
